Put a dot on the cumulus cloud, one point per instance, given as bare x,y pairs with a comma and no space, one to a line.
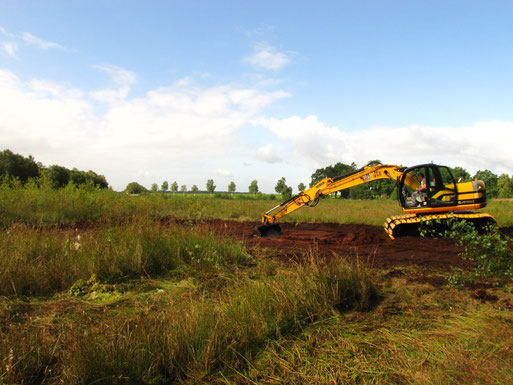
479,146
268,154
9,48
181,126
267,57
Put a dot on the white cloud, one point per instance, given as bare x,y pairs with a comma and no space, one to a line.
39,42
9,48
170,132
122,79
268,154
267,57
222,172
482,145
26,38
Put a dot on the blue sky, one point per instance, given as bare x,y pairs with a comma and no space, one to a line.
242,90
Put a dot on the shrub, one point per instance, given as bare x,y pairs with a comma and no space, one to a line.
490,252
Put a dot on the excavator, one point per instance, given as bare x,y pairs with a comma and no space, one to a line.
426,192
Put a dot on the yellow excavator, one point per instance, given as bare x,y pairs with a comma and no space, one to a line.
426,192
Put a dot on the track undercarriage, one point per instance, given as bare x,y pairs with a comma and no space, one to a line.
411,224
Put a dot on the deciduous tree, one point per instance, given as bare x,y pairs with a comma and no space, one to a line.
490,180
505,186
58,176
282,188
253,187
18,166
460,173
211,186
135,188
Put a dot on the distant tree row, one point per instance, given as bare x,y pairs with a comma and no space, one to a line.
136,188
281,187
24,168
496,186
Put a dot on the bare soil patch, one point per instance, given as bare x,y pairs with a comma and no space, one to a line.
369,243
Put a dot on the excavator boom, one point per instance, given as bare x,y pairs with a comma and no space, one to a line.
326,186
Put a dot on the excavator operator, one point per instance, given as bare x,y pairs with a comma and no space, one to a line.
420,192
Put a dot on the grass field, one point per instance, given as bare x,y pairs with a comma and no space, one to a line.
45,206
93,290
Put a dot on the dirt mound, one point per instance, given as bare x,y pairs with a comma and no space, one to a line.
348,240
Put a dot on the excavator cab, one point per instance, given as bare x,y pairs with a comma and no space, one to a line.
440,189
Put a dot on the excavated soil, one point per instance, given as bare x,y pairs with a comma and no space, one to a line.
332,240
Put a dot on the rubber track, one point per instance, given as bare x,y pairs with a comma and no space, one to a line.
408,224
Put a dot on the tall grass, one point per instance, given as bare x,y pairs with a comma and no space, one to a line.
172,337
417,335
41,261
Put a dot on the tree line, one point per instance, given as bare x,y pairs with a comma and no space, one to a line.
23,169
136,188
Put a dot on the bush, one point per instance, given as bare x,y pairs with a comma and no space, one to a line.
490,251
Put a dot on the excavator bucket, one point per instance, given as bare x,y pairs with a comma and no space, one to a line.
272,230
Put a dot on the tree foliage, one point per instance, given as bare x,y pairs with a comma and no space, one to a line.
333,171
301,186
231,187
174,187
58,176
183,188
491,182
16,165
280,185
165,186
253,187
505,186
135,188
460,173
211,186
282,188
194,189
22,168
376,189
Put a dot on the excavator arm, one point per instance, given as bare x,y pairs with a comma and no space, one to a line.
310,197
